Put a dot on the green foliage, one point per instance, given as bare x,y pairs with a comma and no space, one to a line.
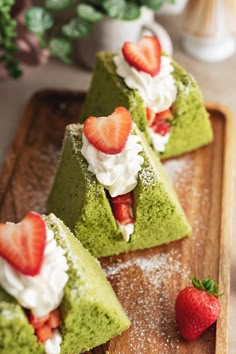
76,28
57,5
156,4
121,9
7,36
61,48
89,13
38,20
80,19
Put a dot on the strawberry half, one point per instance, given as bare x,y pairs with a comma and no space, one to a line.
44,333
23,244
109,134
161,127
151,115
37,322
54,320
144,55
164,115
122,213
197,308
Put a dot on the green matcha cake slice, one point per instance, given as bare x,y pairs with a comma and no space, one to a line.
181,122
82,202
90,314
15,329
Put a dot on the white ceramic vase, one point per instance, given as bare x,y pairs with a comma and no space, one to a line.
110,34
208,29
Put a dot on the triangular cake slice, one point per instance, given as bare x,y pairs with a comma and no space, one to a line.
89,311
181,122
82,202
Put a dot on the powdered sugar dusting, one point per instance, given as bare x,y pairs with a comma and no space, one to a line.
190,184
147,176
142,285
176,167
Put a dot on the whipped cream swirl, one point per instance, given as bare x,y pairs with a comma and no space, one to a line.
118,173
43,292
158,92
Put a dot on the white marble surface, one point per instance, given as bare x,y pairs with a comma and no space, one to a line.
217,81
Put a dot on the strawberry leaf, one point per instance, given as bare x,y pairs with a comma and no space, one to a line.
207,285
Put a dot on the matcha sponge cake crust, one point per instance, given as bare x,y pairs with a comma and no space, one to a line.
191,127
15,330
81,202
89,305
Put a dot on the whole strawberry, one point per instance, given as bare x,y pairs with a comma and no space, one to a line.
197,307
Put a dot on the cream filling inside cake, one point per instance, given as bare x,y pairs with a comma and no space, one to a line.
118,173
53,346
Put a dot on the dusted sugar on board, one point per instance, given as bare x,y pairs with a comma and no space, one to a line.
109,210
164,100
68,306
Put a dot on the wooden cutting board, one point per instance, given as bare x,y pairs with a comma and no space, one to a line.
147,281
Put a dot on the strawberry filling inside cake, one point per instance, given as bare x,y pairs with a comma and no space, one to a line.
113,156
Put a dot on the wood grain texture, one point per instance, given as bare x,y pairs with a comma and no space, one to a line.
147,281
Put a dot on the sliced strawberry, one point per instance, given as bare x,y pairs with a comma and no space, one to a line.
23,244
164,115
124,199
109,134
122,213
54,320
161,127
44,333
144,55
37,322
150,116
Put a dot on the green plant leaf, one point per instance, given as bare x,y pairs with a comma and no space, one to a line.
132,12
61,48
38,20
121,9
89,13
95,3
114,8
57,5
76,28
155,4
